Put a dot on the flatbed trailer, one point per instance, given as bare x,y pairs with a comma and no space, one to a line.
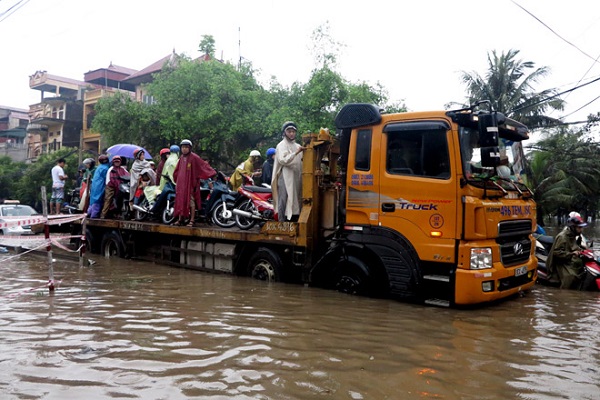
271,252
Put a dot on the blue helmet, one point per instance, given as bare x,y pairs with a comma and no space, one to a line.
270,152
174,149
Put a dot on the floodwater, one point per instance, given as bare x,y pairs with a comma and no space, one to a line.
124,329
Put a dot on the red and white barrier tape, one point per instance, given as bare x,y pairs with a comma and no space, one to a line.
23,253
11,222
63,219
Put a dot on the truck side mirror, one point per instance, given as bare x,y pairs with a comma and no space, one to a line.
488,139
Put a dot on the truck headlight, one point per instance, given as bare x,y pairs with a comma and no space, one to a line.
481,258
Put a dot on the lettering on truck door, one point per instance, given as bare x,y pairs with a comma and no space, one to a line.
418,187
363,179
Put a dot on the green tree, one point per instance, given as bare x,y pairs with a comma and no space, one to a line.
38,174
124,120
222,110
10,174
207,45
565,169
509,85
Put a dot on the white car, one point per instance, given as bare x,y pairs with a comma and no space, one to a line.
14,209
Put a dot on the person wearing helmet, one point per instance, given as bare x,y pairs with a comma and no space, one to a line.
164,154
564,264
166,179
267,167
112,182
246,168
189,171
97,187
84,193
287,175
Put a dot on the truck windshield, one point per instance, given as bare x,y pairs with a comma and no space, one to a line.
511,158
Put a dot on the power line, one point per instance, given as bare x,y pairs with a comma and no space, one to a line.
553,31
13,9
556,95
580,108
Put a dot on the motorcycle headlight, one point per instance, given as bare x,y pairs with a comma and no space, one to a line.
481,258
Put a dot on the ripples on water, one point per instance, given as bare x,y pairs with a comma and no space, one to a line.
126,329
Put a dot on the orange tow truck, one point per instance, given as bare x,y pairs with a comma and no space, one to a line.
422,206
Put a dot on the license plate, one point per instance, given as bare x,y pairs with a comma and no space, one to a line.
521,270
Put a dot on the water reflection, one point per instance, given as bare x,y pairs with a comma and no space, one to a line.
124,329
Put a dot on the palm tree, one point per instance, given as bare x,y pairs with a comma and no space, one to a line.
565,168
510,89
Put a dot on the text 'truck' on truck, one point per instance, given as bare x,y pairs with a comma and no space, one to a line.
432,206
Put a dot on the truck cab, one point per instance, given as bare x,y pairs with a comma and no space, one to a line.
432,206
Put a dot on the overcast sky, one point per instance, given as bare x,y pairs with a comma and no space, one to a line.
415,49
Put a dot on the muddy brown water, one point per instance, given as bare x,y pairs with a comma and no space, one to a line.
125,329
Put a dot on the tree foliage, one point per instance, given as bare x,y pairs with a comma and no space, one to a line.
207,45
225,111
38,174
566,172
10,174
509,85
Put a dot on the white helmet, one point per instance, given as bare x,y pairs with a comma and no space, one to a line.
255,153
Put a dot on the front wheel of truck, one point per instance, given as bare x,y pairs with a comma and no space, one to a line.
352,276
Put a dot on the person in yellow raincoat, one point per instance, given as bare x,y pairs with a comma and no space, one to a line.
245,168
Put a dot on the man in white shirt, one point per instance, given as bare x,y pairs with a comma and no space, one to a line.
58,186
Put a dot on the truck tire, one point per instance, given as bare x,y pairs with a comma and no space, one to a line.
244,222
112,245
265,265
352,276
217,216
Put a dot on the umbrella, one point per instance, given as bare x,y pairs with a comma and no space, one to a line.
126,150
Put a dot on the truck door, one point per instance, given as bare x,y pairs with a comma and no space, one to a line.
417,188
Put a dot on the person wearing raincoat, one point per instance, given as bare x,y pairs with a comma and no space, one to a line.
97,188
189,171
287,175
245,168
140,167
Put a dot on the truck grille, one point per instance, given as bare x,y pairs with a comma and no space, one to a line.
514,251
513,228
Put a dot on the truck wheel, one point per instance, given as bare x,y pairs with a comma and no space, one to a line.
218,218
265,265
244,222
112,245
352,276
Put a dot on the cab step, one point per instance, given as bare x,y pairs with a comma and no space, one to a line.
439,278
438,302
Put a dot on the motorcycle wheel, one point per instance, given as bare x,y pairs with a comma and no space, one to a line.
217,216
167,215
140,215
243,222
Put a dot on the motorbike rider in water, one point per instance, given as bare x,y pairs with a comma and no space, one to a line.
564,263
